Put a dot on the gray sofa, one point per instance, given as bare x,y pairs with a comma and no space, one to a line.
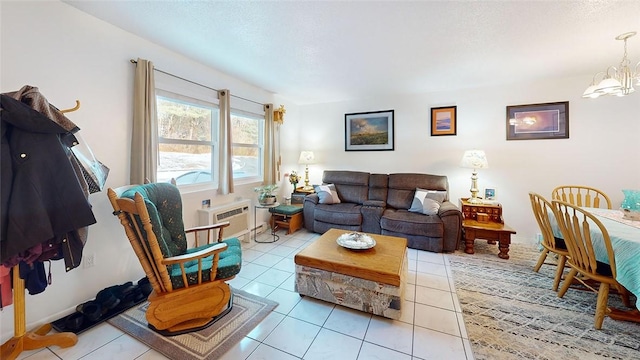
379,203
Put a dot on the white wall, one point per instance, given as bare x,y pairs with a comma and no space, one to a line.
602,150
70,55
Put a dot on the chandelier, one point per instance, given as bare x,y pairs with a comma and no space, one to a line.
616,81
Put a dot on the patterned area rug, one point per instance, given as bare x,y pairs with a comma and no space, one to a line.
511,312
211,343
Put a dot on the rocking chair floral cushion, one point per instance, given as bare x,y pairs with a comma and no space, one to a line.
180,276
164,205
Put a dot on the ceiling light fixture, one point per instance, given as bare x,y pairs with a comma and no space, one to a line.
616,81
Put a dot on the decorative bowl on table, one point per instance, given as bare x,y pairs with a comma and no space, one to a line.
356,241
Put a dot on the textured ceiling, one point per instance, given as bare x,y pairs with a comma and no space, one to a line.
322,51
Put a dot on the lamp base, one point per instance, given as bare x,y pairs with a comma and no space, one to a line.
474,188
474,200
306,179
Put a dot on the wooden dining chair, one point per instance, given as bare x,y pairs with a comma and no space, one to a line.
542,208
583,196
575,224
189,283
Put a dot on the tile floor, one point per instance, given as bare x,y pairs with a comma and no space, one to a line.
431,326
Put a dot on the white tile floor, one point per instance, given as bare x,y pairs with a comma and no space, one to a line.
431,326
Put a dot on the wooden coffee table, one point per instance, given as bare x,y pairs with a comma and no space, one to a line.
370,280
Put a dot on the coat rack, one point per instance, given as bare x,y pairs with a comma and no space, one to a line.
73,108
22,339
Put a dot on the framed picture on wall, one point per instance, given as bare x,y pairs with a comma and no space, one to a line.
369,131
443,120
538,121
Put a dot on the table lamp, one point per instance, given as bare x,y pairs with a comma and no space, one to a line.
474,159
306,158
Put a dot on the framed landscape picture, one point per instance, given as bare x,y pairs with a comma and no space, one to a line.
538,121
369,131
443,120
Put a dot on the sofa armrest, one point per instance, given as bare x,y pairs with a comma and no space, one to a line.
313,198
448,208
308,210
451,217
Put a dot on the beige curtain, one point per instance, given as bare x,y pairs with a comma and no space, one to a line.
226,171
144,139
270,155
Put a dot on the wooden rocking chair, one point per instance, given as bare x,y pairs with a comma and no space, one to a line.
189,288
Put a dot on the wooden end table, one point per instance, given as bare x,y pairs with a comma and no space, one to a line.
493,232
484,221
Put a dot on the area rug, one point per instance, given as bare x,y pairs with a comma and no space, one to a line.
511,312
211,343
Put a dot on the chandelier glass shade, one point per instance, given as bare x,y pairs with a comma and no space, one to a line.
618,81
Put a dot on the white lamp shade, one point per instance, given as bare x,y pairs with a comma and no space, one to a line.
306,157
591,92
474,159
609,85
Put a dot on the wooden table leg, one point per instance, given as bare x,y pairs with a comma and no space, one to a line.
469,238
503,246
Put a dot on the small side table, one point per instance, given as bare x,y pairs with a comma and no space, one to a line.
255,225
484,221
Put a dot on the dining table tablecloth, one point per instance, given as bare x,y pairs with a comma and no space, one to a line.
625,240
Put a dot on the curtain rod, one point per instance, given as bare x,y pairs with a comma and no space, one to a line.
195,83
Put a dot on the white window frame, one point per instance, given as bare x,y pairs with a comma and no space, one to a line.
260,146
215,129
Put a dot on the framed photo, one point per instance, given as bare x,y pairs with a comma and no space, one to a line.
443,120
489,194
369,131
538,121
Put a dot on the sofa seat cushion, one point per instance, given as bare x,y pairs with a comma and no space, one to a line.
340,214
405,222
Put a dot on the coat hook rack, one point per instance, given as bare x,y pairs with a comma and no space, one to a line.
29,340
39,338
73,108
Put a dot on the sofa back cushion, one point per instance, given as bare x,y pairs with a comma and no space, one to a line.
402,187
351,186
378,187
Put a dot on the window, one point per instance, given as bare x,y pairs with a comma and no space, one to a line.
187,139
247,148
188,135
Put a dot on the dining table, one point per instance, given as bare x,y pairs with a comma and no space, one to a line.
625,241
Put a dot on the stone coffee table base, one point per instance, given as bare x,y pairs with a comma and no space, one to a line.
356,293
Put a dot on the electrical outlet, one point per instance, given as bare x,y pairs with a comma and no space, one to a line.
89,260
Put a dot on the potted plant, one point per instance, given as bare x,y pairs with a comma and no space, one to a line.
294,179
265,194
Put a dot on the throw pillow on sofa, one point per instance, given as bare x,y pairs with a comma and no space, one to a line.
427,201
327,194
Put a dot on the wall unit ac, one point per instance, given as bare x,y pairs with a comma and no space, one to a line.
236,213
